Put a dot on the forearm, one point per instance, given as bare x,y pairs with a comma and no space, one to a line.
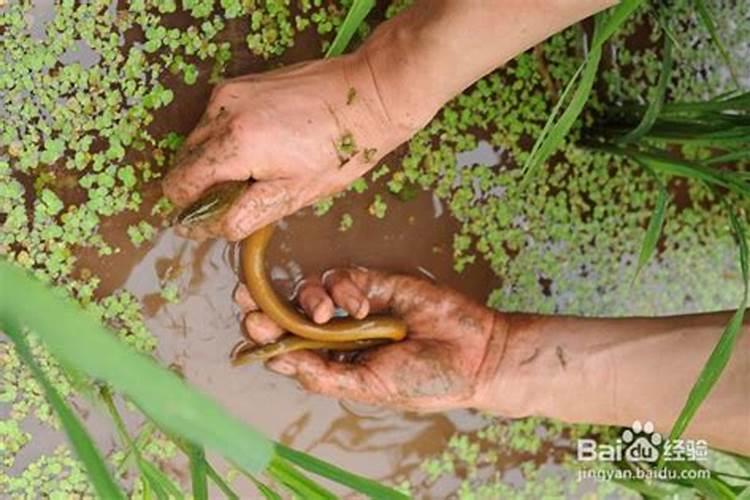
615,371
434,50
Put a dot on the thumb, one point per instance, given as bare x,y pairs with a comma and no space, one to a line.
262,203
355,382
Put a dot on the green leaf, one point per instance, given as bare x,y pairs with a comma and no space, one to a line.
552,135
156,480
104,485
723,350
198,471
357,13
296,482
612,20
708,21
221,483
653,231
560,129
79,340
324,469
267,492
654,107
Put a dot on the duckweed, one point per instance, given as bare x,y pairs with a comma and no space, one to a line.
81,151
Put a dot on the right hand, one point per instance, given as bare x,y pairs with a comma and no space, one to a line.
288,130
448,358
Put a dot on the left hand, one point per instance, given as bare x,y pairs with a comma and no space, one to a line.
449,356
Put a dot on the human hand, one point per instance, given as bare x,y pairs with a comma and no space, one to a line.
450,355
301,133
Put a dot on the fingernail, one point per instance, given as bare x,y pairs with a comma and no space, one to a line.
319,313
353,306
282,366
363,310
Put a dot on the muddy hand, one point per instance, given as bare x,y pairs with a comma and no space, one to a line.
301,132
438,367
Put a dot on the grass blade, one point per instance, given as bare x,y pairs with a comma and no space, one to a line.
324,469
162,486
101,479
653,231
357,13
708,21
654,108
296,482
558,131
198,471
723,350
82,342
221,483
266,491
612,20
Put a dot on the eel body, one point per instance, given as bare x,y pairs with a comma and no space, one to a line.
344,334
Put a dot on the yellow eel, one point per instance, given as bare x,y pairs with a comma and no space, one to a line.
342,334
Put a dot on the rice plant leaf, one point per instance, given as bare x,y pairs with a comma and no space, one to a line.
79,340
266,491
162,486
719,358
745,495
730,157
357,13
296,482
198,472
101,479
324,469
530,163
711,487
612,20
221,483
653,231
559,130
708,21
654,107
667,164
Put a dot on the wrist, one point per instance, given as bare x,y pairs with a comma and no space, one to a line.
500,389
402,70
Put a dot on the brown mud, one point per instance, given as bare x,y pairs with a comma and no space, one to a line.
196,334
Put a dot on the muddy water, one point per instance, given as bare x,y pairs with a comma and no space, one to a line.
197,333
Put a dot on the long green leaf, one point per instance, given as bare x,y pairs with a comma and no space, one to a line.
221,483
163,486
296,482
101,479
198,471
654,108
324,469
558,131
264,489
723,350
612,20
708,21
357,13
653,232
82,342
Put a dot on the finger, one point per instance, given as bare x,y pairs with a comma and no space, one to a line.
242,298
315,301
377,287
262,203
332,379
201,165
261,329
346,293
